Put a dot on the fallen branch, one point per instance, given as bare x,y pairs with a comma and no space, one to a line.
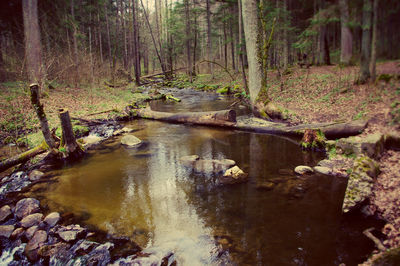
378,243
23,157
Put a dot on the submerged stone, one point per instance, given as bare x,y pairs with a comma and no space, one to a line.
35,175
130,141
38,240
208,166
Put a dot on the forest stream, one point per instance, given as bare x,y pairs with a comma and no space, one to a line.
146,194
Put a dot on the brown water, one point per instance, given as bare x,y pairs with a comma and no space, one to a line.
147,195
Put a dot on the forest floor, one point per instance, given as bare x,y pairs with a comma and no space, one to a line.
315,94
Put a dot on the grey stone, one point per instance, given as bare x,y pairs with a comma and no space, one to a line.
130,141
5,212
52,219
26,206
71,232
17,233
32,219
38,240
35,175
323,170
30,232
209,166
302,170
233,175
6,230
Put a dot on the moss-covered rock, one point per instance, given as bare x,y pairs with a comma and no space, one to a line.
361,180
392,141
371,145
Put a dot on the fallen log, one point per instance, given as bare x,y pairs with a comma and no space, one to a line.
331,130
23,157
227,118
224,118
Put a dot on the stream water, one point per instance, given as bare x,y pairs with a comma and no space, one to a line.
149,196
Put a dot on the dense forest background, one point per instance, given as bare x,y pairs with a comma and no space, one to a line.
85,41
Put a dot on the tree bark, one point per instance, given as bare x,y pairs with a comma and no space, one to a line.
188,38
346,41
366,42
135,43
250,22
108,37
242,47
33,46
209,41
232,43
68,138
374,37
285,35
75,43
216,118
23,157
41,115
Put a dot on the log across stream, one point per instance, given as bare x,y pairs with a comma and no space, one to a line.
227,118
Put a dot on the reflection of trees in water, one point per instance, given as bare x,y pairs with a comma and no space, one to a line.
271,227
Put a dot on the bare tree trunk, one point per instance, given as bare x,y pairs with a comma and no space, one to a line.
250,22
75,43
225,43
194,41
346,42
154,41
232,43
100,39
135,43
366,41
188,29
33,46
108,38
374,37
285,35
73,150
123,28
242,47
209,41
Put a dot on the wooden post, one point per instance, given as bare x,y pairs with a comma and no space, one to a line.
41,115
68,137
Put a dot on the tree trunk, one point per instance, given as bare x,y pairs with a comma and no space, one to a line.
188,34
250,22
209,41
38,107
68,138
232,44
100,39
154,41
366,41
108,37
374,37
75,44
285,35
225,43
346,42
33,47
242,47
135,43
